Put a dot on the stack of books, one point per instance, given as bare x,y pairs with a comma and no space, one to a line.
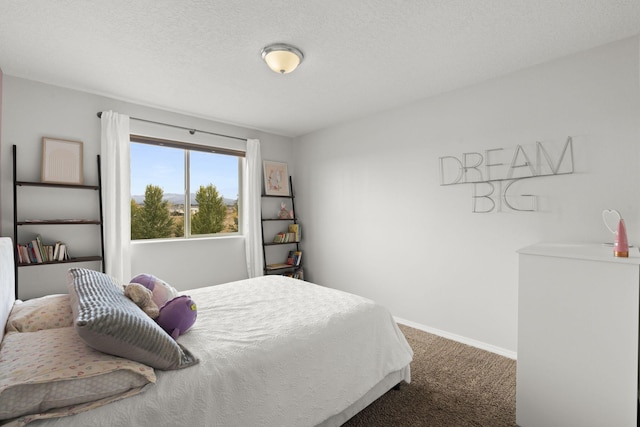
295,229
298,274
35,252
294,258
289,236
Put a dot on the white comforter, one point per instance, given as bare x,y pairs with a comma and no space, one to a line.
273,351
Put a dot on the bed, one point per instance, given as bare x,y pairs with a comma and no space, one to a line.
268,351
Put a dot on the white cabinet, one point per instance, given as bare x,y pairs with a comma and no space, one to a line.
577,336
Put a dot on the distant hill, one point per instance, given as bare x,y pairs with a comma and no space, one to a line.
178,199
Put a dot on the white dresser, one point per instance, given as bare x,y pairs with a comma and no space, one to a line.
577,336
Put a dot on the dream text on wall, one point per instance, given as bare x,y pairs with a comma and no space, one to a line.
493,177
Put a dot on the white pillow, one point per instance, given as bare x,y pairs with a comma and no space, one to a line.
49,312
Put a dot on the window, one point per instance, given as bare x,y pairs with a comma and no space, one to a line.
181,190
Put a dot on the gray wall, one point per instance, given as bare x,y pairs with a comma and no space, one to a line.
33,110
375,220
378,223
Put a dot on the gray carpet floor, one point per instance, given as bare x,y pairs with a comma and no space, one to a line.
452,384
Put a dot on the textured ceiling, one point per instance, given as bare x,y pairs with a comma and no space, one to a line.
202,57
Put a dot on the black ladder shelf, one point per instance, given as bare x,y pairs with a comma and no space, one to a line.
31,222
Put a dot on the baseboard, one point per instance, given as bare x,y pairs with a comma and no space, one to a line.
464,340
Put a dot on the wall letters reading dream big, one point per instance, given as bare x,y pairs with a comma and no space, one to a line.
492,178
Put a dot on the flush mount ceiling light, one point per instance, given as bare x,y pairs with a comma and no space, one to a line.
282,58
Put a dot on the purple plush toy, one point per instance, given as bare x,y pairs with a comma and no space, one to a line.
162,291
177,315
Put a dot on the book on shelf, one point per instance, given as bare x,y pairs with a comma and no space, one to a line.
23,258
35,250
291,258
43,253
29,250
295,229
24,248
62,252
277,266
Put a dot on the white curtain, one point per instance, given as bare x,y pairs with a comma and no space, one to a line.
251,209
116,195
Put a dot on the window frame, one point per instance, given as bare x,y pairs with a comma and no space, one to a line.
187,146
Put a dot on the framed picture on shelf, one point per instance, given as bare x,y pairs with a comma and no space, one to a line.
276,178
61,161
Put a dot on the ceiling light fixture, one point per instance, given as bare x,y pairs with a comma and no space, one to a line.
282,58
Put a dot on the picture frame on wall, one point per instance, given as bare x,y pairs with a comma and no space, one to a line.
62,161
276,178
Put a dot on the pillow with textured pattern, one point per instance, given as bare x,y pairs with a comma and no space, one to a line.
110,322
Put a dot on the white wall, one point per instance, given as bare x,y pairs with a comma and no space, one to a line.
32,110
376,222
1,76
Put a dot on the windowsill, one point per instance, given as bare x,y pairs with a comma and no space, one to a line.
190,239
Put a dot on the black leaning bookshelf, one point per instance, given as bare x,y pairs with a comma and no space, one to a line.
281,266
45,222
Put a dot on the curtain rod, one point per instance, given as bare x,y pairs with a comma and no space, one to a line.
192,131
